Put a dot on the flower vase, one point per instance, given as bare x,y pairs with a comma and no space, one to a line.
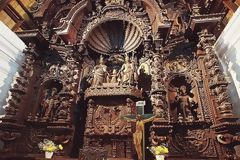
48,155
160,157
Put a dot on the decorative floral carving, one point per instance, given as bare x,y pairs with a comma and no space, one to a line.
192,142
217,81
9,136
107,120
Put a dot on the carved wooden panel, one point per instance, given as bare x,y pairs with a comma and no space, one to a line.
107,120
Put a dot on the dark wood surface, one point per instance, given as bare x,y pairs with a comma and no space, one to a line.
38,158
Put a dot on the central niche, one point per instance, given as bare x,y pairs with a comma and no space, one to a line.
115,36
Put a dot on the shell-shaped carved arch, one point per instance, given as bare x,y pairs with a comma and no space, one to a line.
142,26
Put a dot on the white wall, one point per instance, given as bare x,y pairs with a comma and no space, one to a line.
228,50
11,57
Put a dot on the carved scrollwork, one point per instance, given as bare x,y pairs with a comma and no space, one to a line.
107,120
193,142
180,64
9,136
96,153
35,136
226,138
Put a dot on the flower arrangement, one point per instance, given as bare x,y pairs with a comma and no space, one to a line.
49,146
159,151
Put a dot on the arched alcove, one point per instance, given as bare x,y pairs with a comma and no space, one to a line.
183,99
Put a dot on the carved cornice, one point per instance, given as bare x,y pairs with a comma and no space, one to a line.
122,90
32,36
9,123
204,19
227,126
114,7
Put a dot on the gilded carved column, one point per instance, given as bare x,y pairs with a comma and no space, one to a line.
160,128
158,90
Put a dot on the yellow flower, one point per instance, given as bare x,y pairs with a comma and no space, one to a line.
52,148
49,146
160,150
60,147
44,148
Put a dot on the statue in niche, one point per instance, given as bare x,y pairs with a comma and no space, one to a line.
145,66
99,73
159,108
62,111
128,72
87,66
114,77
186,104
43,104
51,104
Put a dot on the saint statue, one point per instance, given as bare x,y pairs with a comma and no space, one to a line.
145,67
186,103
138,134
114,78
99,73
51,104
44,103
128,71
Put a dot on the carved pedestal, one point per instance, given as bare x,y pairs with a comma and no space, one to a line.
105,126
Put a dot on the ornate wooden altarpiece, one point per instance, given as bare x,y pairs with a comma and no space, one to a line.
114,53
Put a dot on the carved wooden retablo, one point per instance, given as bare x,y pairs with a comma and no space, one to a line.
88,62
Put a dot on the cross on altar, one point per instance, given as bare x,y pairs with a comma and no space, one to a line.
139,135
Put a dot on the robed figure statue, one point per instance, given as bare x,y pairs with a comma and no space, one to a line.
99,73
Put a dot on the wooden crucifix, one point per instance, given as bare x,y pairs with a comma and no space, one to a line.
139,135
